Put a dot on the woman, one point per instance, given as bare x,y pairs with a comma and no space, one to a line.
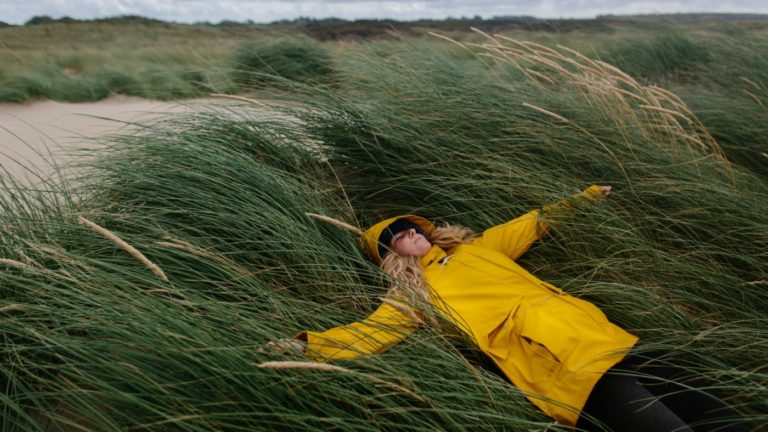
554,347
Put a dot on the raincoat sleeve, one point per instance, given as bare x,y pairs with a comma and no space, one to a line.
515,237
392,322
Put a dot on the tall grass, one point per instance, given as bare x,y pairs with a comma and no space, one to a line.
717,69
105,340
474,134
668,54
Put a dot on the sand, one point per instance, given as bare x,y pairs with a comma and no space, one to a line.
35,136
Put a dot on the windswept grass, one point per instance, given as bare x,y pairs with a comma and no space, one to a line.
668,54
468,133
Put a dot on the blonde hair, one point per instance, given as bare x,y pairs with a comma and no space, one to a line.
406,272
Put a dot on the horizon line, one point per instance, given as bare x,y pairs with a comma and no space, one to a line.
478,17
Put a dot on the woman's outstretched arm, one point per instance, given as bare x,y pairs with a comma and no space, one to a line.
392,322
515,237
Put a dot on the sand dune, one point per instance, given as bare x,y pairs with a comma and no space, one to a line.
35,136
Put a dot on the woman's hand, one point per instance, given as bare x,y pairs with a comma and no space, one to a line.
284,346
590,195
604,192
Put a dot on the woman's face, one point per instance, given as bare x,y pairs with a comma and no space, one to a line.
410,243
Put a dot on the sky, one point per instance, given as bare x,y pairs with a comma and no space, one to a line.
190,11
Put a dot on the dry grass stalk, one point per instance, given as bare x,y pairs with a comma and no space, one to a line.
178,244
506,56
174,243
666,93
666,111
525,49
620,74
506,38
584,68
395,387
598,87
489,45
302,365
632,95
542,76
338,223
477,30
438,35
752,95
672,99
681,131
25,258
14,263
402,308
239,98
594,73
552,65
750,82
542,50
694,139
31,265
579,55
13,308
514,51
549,113
499,59
124,246
495,48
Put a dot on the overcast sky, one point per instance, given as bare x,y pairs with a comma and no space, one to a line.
19,11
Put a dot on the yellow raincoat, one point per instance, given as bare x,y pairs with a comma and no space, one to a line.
552,346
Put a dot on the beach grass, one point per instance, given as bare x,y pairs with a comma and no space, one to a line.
473,131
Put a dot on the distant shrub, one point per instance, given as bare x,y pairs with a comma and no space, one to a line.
12,94
53,82
297,59
78,89
160,83
21,88
40,19
118,81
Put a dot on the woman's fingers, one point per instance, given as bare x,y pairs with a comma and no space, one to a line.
606,190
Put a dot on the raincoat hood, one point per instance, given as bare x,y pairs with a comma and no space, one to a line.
370,238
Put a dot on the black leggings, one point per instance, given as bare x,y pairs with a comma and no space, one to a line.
647,396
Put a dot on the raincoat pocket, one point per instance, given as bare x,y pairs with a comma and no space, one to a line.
499,337
519,345
536,362
548,330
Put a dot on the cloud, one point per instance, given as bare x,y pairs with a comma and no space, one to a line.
19,11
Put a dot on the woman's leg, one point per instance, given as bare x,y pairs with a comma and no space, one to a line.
682,393
622,404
